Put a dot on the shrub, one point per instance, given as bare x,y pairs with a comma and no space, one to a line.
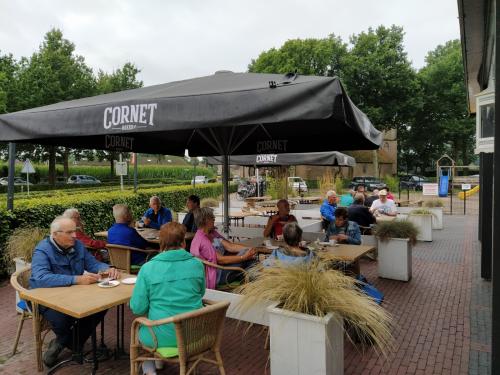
392,183
386,230
431,203
209,202
22,242
95,207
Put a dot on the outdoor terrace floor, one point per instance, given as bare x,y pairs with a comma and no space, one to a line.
442,317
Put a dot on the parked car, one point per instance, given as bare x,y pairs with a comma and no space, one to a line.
17,181
298,184
199,180
412,182
82,179
369,182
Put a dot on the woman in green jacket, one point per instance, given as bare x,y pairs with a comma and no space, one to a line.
171,283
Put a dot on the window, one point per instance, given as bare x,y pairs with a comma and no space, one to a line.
488,120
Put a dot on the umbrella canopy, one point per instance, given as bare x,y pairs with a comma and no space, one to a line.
269,160
222,114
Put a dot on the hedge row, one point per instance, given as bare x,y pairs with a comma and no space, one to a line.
95,208
103,172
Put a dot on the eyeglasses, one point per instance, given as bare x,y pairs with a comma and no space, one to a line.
66,231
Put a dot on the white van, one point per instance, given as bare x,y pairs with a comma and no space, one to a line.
298,184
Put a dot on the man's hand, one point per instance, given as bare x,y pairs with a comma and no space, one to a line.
114,274
146,221
342,237
88,278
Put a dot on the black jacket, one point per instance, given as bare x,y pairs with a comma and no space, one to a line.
361,215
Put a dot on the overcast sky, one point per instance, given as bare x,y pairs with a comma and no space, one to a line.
176,39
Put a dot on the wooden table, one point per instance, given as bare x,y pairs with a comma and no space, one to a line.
251,200
80,301
309,200
149,234
340,252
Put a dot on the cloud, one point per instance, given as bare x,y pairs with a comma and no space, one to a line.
178,39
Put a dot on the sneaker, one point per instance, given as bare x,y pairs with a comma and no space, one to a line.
52,353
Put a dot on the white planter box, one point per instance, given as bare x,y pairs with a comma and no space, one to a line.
20,264
437,217
394,259
303,344
424,225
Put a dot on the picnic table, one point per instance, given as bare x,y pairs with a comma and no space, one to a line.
149,234
80,301
251,200
309,200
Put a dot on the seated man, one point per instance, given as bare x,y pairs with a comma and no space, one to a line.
156,215
274,227
383,205
359,213
347,199
291,253
327,209
88,242
208,244
193,202
122,233
61,260
343,230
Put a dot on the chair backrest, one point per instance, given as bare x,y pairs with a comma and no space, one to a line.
200,330
119,256
20,279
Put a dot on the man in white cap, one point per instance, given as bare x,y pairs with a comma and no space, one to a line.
383,205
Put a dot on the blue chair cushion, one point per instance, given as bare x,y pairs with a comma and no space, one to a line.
22,305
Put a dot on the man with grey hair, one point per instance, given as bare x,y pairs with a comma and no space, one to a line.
89,242
156,215
327,209
61,260
122,233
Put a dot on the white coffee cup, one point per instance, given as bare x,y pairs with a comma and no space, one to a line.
332,242
303,244
268,243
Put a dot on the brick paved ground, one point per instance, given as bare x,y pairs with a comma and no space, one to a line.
442,319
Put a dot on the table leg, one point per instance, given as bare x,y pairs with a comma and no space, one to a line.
120,336
94,347
76,355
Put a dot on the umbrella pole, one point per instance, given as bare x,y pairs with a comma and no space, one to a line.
10,186
135,172
225,191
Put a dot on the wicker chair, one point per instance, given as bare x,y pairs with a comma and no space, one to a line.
198,333
19,281
119,257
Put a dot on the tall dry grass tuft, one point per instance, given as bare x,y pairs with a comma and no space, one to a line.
327,182
22,242
313,289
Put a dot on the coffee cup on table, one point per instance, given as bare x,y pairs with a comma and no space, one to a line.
268,243
332,242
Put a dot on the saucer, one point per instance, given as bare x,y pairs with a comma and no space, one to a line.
129,280
111,284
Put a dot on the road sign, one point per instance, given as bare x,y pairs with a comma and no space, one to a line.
430,189
466,186
28,167
121,168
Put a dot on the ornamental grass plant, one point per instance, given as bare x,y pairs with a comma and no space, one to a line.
209,202
431,203
22,242
314,289
386,230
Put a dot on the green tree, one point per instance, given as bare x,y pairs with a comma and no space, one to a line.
444,109
52,74
321,57
121,79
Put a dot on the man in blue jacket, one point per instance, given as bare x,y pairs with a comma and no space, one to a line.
122,233
156,215
327,209
61,260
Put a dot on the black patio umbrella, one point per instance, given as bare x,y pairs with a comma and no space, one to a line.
332,158
222,114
